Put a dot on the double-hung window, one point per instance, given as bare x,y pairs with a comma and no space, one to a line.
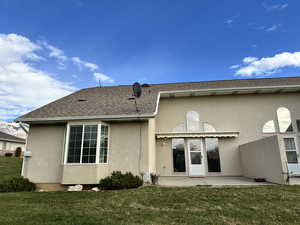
87,144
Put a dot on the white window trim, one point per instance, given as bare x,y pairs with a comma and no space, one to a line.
99,127
82,139
296,145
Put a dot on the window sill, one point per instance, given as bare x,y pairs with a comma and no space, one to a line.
83,164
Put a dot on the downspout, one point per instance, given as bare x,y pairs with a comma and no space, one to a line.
288,173
23,128
140,139
24,158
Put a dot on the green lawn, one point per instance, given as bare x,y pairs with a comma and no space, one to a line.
10,167
149,205
154,205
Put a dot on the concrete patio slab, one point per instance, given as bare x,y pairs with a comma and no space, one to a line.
179,181
294,181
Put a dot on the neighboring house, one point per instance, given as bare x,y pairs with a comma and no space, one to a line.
9,143
246,127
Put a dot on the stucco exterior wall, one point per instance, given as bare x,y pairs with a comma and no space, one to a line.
129,147
151,145
243,113
262,159
84,174
128,151
131,144
46,144
164,160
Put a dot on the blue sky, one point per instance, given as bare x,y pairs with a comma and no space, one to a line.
63,46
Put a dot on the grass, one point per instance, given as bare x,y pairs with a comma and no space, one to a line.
155,205
10,167
149,205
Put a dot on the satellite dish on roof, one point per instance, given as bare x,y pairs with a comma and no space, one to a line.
137,90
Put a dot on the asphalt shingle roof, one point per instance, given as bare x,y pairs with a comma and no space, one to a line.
115,100
11,138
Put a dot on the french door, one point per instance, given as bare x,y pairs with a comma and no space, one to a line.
195,152
292,155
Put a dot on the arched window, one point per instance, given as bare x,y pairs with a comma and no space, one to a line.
284,120
269,127
208,127
193,122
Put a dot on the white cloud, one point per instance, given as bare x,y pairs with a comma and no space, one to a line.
54,52
80,63
229,21
16,48
269,65
265,28
62,58
22,86
234,66
275,6
249,59
272,28
103,78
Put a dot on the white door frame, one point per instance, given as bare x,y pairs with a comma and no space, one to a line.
293,168
196,170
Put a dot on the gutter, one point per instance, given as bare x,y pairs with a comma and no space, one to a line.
10,140
160,93
234,89
100,117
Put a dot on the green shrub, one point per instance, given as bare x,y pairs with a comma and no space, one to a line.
17,184
8,154
120,181
18,152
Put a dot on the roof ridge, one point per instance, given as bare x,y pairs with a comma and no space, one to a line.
241,79
204,81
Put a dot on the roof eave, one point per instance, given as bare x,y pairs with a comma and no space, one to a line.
229,91
72,118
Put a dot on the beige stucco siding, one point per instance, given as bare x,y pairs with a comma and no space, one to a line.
132,146
84,174
243,113
262,159
46,143
128,151
129,147
164,163
151,145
